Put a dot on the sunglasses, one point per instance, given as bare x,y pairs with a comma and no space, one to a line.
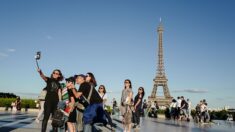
141,89
101,88
56,73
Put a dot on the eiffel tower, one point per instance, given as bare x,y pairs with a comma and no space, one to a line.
160,79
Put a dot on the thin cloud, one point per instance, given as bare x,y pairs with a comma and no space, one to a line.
11,50
190,91
3,55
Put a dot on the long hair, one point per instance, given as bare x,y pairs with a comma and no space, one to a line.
103,88
129,82
93,80
60,73
143,93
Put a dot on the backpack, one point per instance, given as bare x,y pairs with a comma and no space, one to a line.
58,119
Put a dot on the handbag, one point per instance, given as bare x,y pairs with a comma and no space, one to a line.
42,95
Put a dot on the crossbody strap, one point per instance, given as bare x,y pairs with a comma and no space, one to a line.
89,96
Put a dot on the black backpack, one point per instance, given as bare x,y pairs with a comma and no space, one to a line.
58,119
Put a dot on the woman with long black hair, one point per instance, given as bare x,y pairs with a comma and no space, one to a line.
137,106
52,97
94,112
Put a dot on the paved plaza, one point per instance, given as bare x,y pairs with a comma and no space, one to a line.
24,122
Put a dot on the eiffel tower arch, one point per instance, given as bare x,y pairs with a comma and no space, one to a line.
160,79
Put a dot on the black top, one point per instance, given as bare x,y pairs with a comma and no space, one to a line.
52,90
70,92
85,89
183,102
137,97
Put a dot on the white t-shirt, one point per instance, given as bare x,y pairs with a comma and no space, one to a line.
173,105
203,107
104,97
179,102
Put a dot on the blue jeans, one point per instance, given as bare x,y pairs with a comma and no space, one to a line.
93,113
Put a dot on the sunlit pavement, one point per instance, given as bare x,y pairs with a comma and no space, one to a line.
25,122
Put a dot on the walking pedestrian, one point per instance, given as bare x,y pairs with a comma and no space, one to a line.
103,95
41,99
137,106
126,100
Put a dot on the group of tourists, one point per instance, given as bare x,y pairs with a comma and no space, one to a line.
179,109
202,113
85,106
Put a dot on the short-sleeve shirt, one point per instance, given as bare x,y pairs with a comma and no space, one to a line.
137,97
52,89
85,89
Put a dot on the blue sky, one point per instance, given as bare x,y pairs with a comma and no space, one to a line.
117,40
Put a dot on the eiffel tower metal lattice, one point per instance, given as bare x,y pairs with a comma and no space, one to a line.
160,79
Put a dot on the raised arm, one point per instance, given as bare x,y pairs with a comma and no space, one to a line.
60,94
42,75
76,94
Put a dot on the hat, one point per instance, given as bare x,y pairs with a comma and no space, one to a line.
70,79
80,75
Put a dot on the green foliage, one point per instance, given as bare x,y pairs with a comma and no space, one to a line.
160,111
108,108
30,102
193,113
6,102
221,115
218,115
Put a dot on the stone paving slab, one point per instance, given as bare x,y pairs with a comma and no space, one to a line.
24,122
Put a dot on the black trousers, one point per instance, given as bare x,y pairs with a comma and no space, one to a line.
109,118
49,108
137,116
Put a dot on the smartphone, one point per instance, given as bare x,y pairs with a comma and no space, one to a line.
38,55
